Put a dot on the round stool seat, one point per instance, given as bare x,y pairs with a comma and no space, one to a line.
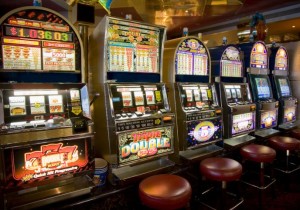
295,133
284,143
165,191
221,169
258,153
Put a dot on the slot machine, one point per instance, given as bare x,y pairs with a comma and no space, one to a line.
134,123
239,110
279,69
257,67
45,128
198,114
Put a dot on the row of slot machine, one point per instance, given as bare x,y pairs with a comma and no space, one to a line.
175,102
160,102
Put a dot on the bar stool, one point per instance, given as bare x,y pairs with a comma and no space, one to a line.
165,191
258,154
286,144
295,133
221,170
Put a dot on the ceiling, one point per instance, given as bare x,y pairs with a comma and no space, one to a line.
197,15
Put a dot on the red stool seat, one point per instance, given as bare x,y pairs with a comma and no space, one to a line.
221,169
295,133
258,153
284,143
165,191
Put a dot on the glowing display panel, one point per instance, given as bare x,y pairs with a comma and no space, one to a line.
259,56
49,160
196,96
138,145
200,132
284,87
132,98
132,47
268,119
243,123
231,65
191,58
36,39
289,114
263,87
281,60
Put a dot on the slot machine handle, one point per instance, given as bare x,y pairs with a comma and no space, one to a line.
96,95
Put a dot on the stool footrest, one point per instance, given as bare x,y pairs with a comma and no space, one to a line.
260,187
214,205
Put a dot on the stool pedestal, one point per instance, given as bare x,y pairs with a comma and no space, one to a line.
224,170
262,155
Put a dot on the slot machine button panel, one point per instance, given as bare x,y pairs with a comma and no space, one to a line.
118,116
163,111
139,114
124,115
129,114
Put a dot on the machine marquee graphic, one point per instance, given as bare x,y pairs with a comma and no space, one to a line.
48,160
141,144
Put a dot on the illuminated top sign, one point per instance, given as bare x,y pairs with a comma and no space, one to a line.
281,60
259,56
192,58
33,38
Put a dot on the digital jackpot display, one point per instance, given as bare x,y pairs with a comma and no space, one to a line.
132,47
259,56
281,60
38,40
191,58
231,64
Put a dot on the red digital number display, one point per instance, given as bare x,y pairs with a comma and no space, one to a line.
38,34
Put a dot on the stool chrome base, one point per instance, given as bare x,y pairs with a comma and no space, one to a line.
235,202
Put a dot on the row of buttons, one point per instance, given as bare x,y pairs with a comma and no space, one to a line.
138,114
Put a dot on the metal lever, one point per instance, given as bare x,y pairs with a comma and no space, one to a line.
94,98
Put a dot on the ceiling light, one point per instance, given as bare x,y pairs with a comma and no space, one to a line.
293,26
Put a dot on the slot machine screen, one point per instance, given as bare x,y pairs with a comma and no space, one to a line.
196,96
243,123
200,132
262,87
234,93
191,58
289,114
132,98
284,87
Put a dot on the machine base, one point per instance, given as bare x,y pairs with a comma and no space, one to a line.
289,126
129,173
201,153
266,133
238,141
44,195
